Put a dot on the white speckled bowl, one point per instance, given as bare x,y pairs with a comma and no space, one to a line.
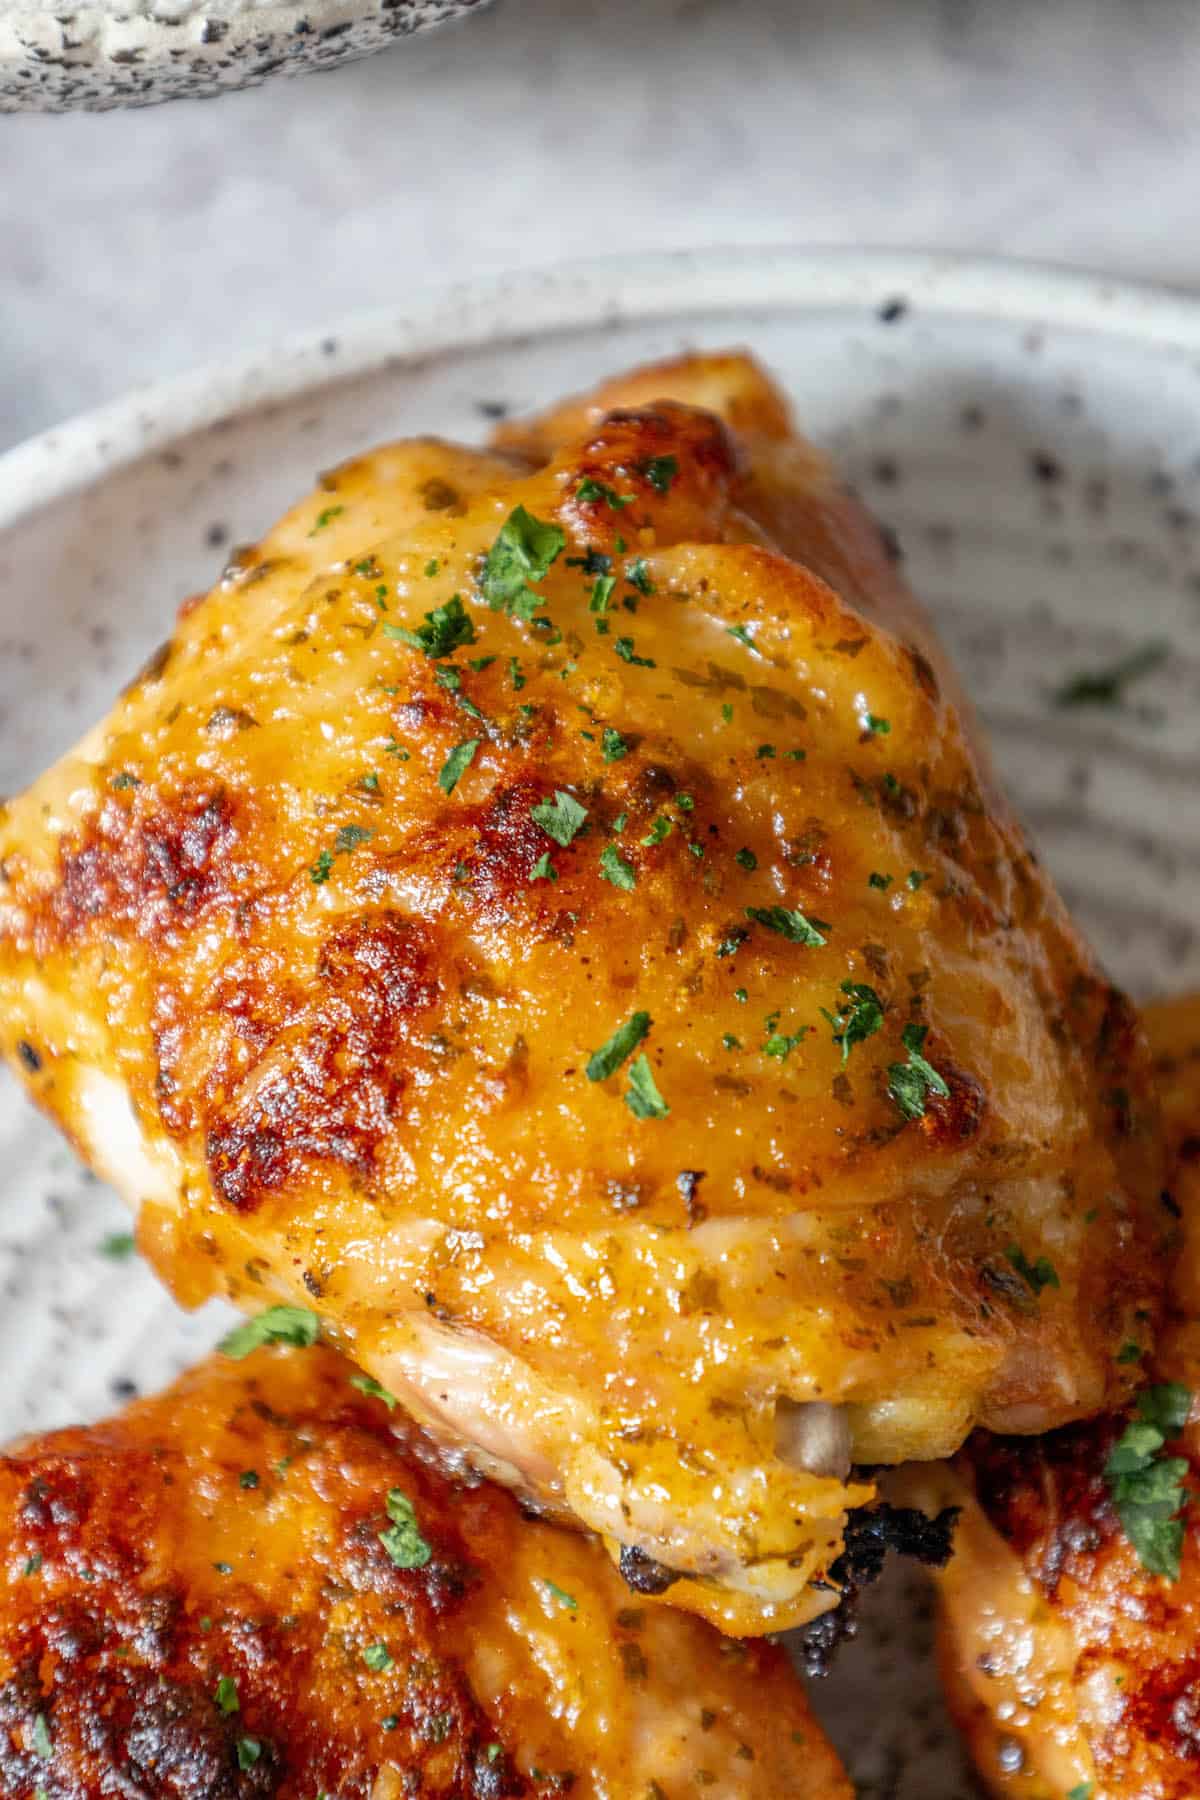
1033,438
137,52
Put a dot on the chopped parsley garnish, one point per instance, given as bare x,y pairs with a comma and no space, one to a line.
614,868
624,649
32,1563
660,829
781,1044
431,567
480,663
543,869
613,745
349,838
451,680
446,629
367,1384
685,803
642,1096
118,1246
515,675
1146,1487
277,1325
42,1744
456,764
370,783
124,780
638,576
1130,1353
1081,1791
226,1695
567,1601
323,518
765,752
882,882
624,1041
880,727
743,637
402,1539
729,1042
560,818
601,594
248,1479
746,859
590,489
322,869
732,942
1036,1276
1106,687
911,1083
726,711
523,551
917,878
858,1017
789,924
377,1657
248,1752
660,472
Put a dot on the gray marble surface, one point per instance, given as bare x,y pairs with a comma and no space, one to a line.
133,245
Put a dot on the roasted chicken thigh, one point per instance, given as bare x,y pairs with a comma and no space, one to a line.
546,912
264,1583
1071,1640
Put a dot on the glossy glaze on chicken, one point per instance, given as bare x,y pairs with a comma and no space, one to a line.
1071,1642
263,1583
544,912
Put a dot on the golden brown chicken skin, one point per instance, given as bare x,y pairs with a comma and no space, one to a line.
528,916
1071,1660
263,1583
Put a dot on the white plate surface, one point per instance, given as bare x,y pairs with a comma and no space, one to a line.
1034,440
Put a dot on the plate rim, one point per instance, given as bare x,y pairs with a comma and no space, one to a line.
573,295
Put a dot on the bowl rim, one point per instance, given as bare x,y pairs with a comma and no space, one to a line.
561,297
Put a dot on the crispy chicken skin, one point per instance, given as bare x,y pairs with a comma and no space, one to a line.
1066,1661
312,945
200,1603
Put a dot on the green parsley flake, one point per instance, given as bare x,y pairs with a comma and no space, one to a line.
1036,1276
560,818
370,783
543,869
589,489
1106,687
524,549
660,472
377,1657
601,594
226,1695
431,567
729,1042
324,517
32,1563
1146,1487
742,635
515,675
882,882
456,764
42,1745
1130,1353
118,1246
917,878
638,576
277,1325
349,838
858,1017
880,727
322,869
614,868
567,1601
660,829
624,1041
248,1478
248,1752
1081,1791
624,649
781,1045
642,1096
402,1540
765,752
367,1384
789,924
746,859
613,745
911,1083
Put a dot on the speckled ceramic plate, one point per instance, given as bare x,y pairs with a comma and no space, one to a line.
104,53
1034,441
